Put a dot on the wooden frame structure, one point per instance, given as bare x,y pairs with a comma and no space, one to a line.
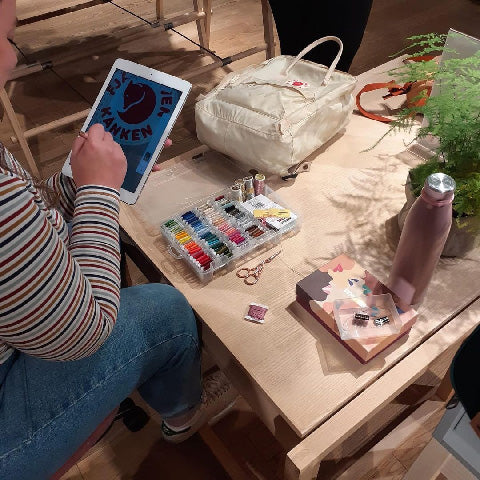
201,14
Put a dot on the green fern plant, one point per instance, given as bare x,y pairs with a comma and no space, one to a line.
453,116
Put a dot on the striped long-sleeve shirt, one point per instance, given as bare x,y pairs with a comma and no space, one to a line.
59,296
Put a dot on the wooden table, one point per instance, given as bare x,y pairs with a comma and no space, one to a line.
308,390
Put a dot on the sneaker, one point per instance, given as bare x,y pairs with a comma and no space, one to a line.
218,397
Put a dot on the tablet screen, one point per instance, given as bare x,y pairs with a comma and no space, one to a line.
135,111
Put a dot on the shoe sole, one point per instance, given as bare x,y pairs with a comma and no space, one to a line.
176,439
223,413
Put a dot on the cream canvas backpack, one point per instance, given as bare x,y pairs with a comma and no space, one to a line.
273,115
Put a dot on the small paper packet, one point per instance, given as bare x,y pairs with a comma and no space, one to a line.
256,313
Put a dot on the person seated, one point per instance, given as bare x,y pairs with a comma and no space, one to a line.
73,344
299,25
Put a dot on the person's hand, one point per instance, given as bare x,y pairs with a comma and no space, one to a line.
98,160
157,167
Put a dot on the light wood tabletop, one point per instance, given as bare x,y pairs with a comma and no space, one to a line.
294,374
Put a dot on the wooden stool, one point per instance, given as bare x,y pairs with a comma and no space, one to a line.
134,418
85,447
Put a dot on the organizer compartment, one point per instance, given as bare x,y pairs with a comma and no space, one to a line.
214,233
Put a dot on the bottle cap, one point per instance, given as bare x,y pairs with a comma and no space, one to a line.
440,183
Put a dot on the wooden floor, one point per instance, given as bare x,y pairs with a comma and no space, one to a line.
96,37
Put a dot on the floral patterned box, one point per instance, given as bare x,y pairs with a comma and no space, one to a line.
342,278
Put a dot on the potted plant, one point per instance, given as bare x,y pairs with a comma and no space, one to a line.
452,117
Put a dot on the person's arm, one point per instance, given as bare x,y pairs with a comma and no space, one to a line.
58,303
62,187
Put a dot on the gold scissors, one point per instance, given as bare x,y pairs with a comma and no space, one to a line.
251,275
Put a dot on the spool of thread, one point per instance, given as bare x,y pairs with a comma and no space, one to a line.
248,185
259,184
236,193
241,184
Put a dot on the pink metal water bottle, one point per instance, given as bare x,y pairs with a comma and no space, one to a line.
422,240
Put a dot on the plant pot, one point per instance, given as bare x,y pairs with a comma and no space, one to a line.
460,240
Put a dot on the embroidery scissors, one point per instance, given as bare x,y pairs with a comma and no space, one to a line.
251,275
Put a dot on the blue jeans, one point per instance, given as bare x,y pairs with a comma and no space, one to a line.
48,409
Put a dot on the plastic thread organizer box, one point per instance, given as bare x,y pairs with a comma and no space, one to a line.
215,231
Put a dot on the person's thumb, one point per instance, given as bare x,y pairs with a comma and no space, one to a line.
78,144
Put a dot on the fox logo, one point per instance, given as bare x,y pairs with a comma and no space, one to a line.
139,101
297,83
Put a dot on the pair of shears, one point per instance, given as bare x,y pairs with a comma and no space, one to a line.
251,275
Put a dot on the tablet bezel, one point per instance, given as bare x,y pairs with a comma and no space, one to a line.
149,74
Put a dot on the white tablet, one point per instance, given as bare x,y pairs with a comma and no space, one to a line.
138,106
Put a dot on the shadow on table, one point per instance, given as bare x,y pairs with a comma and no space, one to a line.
333,356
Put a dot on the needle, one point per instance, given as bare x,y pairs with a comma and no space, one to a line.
269,259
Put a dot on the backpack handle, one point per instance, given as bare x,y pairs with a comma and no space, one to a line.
311,47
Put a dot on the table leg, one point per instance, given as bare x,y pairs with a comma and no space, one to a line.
268,28
207,8
223,455
201,25
160,8
445,389
19,133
